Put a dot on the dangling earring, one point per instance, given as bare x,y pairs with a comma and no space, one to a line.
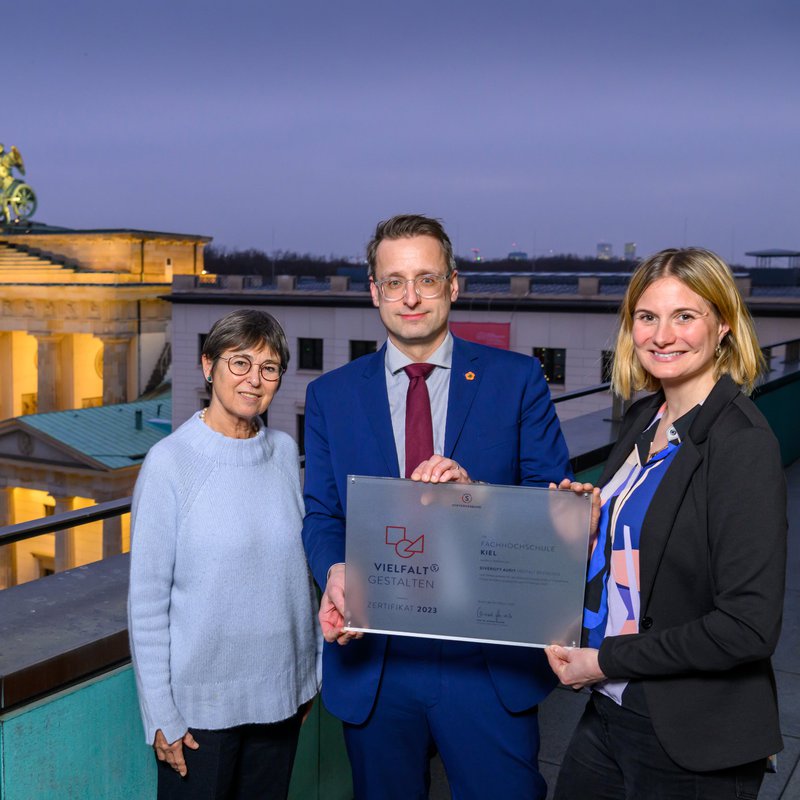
717,352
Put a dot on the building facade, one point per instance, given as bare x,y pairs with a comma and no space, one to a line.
83,325
571,333
82,321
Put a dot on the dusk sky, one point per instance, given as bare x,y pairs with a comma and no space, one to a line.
539,126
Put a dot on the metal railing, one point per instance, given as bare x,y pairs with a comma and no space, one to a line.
68,519
791,354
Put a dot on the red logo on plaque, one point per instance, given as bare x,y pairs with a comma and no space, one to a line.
404,547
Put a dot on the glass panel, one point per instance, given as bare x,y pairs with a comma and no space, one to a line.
480,563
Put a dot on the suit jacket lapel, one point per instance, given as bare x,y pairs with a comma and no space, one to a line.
629,435
466,374
375,400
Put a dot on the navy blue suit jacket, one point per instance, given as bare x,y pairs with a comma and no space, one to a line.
501,426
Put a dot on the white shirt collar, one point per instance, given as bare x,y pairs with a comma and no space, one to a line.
441,357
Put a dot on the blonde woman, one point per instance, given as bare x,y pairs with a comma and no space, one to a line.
686,579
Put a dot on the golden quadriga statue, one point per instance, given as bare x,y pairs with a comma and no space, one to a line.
17,199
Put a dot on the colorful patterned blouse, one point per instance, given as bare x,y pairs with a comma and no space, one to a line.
612,594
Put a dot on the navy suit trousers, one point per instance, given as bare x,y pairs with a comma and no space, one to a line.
438,695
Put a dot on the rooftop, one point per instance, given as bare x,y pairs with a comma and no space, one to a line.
29,228
68,634
773,253
108,437
575,291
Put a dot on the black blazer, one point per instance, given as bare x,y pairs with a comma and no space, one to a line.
712,570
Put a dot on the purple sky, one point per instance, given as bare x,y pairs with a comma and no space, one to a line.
296,125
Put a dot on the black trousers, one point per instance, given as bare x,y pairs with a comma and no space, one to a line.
615,755
249,762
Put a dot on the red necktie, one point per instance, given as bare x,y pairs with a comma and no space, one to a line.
419,425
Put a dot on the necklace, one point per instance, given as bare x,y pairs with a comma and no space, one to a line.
653,450
253,424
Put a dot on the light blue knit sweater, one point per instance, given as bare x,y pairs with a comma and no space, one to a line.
221,609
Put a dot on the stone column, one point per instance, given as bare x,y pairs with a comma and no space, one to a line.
115,368
7,371
8,561
49,378
65,540
112,536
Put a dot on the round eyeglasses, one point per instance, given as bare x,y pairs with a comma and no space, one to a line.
241,365
427,287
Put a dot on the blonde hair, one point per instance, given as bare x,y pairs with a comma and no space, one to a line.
708,276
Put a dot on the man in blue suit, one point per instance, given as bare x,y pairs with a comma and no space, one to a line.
403,698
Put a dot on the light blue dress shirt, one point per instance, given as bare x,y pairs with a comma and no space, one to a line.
438,383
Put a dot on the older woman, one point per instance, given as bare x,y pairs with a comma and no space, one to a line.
686,578
221,608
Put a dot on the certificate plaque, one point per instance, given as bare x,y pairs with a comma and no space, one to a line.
478,562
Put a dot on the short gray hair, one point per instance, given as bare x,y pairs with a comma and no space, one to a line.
246,328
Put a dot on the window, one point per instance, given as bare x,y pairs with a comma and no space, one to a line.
45,564
30,403
309,354
361,347
301,433
552,360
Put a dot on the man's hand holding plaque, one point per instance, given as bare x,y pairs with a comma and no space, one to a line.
436,469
